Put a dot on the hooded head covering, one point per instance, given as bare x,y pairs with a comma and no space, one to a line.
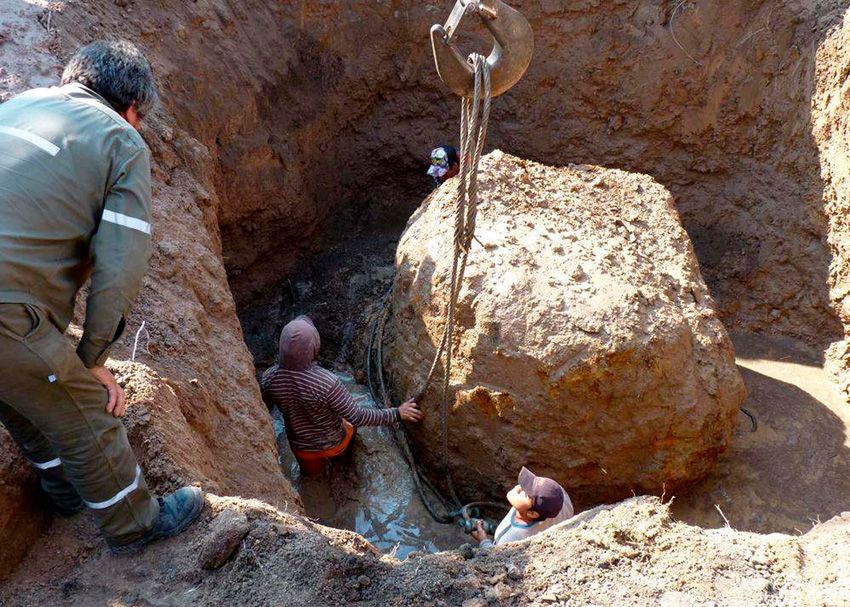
299,344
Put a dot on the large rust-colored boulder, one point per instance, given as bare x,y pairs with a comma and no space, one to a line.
587,345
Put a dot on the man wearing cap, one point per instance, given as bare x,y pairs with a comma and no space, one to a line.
444,164
537,503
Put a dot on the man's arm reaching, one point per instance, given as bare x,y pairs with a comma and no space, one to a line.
480,536
340,401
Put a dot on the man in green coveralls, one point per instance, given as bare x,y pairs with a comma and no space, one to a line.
75,201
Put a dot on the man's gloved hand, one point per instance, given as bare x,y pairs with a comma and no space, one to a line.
116,404
410,412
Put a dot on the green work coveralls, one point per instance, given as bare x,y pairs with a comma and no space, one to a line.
75,201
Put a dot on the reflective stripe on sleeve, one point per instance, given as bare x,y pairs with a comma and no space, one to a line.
34,139
118,496
54,463
126,221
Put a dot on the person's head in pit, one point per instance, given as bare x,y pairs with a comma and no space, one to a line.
444,164
535,497
119,73
537,503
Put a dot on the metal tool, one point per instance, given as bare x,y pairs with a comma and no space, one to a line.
470,514
468,525
512,49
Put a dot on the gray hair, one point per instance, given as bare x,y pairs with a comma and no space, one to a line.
117,71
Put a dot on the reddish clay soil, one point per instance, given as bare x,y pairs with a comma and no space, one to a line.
290,149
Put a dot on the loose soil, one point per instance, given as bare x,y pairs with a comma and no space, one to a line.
279,116
632,553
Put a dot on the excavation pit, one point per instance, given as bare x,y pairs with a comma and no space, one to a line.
345,500
279,118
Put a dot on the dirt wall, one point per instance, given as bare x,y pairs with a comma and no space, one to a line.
831,122
195,412
309,106
24,515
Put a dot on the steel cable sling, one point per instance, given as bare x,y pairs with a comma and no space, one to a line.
471,80
475,115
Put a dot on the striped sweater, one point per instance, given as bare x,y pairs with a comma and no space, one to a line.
313,404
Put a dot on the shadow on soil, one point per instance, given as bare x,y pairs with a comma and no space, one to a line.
794,470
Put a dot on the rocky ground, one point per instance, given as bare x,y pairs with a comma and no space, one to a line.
632,553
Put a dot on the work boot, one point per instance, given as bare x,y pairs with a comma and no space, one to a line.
176,513
64,498
67,508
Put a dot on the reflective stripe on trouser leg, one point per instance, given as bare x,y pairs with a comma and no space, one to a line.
70,412
54,463
42,457
118,496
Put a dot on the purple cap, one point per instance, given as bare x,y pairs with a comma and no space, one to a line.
547,496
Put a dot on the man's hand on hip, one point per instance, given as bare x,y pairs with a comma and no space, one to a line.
116,404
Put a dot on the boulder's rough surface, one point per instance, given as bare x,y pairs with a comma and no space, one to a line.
587,345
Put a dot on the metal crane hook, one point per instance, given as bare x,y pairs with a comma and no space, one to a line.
511,54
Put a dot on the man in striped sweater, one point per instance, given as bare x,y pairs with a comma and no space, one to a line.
319,413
